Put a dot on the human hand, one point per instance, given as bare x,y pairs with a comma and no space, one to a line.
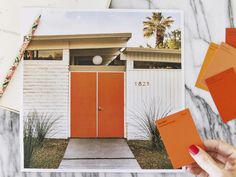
218,160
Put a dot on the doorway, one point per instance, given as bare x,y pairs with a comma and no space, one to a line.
97,104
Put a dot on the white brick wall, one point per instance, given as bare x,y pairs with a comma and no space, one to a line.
46,90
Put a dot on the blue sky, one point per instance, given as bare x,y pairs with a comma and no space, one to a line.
83,22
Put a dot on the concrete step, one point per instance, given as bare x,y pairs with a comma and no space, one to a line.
100,164
98,148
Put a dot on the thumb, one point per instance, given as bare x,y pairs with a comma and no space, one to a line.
204,160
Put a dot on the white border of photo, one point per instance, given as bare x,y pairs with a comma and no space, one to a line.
108,170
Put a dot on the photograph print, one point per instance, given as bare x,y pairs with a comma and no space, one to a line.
94,83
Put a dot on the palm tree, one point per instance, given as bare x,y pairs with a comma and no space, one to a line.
176,35
174,39
157,25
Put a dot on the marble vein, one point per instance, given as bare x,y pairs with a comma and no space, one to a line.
199,12
9,32
212,127
230,14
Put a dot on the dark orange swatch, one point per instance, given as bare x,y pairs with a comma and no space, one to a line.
223,91
231,36
178,132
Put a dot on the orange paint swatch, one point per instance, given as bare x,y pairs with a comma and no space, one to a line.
223,91
178,132
200,83
231,36
224,59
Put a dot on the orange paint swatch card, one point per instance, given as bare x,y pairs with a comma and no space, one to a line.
230,37
224,59
223,91
178,132
200,83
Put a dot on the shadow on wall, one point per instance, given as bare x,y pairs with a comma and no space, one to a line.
144,118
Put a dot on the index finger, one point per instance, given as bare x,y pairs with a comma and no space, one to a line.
220,147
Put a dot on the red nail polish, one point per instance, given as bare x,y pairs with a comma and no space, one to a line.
193,149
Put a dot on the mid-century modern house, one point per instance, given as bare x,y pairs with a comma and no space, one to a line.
94,82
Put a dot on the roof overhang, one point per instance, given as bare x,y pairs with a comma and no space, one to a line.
151,54
82,36
80,41
152,50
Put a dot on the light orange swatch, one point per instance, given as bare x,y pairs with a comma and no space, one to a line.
224,59
178,132
200,83
231,36
223,91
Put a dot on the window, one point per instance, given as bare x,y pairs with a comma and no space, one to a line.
118,62
88,60
156,65
43,55
85,60
104,57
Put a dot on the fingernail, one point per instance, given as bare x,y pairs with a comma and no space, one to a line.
193,149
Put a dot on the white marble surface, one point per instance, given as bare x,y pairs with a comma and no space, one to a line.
205,21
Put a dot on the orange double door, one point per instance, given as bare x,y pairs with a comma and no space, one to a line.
97,104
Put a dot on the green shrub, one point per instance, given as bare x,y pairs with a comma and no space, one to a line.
145,118
36,128
30,141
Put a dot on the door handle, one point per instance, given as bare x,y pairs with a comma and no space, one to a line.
100,108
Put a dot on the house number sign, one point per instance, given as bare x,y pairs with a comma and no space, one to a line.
142,84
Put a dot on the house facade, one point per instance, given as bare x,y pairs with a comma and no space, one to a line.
97,86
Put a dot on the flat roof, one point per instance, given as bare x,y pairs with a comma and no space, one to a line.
82,36
114,41
151,50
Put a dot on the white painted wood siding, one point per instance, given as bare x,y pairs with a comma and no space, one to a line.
165,91
145,56
46,90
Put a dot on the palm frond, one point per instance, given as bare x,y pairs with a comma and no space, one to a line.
148,33
157,16
156,25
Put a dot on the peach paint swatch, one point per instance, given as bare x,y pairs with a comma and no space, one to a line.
231,36
200,83
223,91
178,132
224,59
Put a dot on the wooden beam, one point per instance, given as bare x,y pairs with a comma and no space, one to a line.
96,68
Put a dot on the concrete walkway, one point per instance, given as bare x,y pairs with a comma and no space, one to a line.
98,154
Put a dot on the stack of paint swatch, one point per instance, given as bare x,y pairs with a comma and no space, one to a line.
218,75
